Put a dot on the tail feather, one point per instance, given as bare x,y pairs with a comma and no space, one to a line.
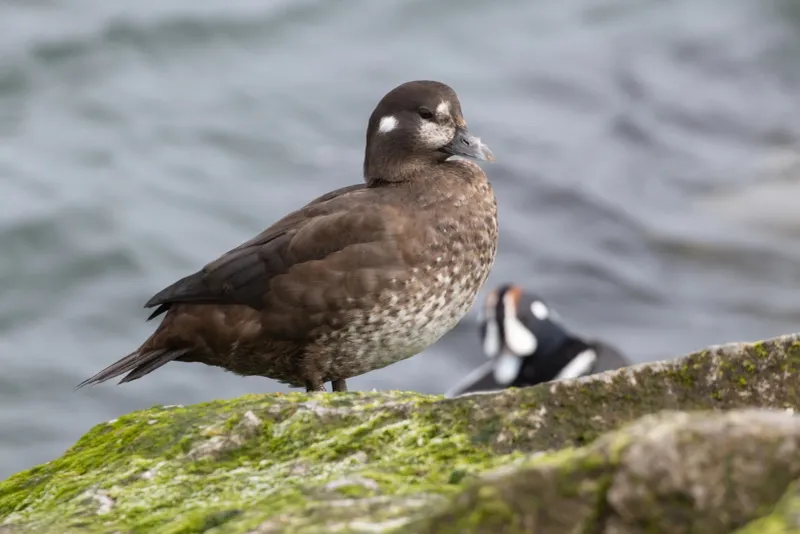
153,364
138,363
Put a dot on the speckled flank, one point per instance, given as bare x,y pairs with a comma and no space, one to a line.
418,304
409,463
431,301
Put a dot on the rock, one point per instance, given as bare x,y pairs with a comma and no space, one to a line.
672,473
707,443
785,519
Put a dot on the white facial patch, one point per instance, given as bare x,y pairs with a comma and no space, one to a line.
519,339
579,366
491,339
387,124
540,310
506,368
435,135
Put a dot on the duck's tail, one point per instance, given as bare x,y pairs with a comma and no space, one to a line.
136,364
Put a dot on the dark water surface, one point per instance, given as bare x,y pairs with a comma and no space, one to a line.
637,143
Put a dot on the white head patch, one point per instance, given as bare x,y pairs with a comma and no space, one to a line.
443,109
540,310
387,124
491,333
519,339
491,339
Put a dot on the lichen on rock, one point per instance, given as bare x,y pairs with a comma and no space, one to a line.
573,456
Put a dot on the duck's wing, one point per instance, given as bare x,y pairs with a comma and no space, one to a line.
244,274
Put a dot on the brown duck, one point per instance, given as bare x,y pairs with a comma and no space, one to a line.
357,279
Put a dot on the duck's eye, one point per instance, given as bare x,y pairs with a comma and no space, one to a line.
425,113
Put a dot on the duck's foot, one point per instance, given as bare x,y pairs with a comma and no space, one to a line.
339,385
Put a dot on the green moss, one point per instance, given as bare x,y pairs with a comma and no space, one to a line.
493,514
761,350
683,375
559,492
146,464
791,364
288,460
783,519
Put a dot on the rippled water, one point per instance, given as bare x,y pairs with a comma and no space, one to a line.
636,141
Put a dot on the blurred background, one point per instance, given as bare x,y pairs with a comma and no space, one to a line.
647,175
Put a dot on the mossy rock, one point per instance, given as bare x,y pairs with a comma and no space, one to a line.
676,473
524,460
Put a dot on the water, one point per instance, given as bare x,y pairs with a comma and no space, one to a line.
637,143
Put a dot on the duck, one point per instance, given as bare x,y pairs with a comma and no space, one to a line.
359,278
526,343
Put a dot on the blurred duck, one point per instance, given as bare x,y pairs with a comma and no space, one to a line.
526,345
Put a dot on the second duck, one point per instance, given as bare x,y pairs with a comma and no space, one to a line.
526,345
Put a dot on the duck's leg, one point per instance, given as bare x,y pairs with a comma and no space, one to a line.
314,379
339,385
313,386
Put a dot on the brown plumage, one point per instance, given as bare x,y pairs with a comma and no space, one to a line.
357,279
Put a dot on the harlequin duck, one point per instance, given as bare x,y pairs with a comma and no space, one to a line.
526,345
357,279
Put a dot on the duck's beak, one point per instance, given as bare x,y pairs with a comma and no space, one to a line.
469,146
